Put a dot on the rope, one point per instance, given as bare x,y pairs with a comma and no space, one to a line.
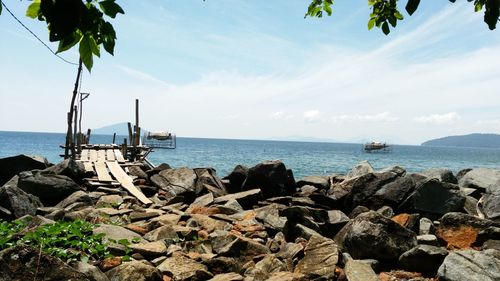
40,40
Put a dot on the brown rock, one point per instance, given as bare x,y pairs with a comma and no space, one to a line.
110,263
461,237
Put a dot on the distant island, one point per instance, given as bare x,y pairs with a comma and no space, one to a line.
471,140
119,128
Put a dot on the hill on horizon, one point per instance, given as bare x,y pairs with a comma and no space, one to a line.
120,129
470,140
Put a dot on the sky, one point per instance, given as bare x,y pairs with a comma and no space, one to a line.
257,69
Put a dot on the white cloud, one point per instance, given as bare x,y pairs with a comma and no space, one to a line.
280,115
438,119
312,116
379,117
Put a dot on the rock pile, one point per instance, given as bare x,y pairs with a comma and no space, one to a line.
259,223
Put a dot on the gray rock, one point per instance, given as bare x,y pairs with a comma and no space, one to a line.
471,205
137,172
423,258
426,227
455,219
319,182
320,259
227,277
386,211
361,169
272,178
361,189
359,271
371,235
117,232
441,174
491,206
21,262
246,199
16,201
394,193
266,267
486,234
484,179
51,189
151,249
207,180
220,264
113,200
471,265
176,181
236,179
435,197
78,196
134,271
91,271
166,232
11,166
182,268
68,167
427,239
228,244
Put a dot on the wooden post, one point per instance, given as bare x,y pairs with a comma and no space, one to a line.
137,130
73,151
114,137
68,137
88,136
129,132
124,148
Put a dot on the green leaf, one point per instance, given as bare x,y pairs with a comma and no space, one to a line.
86,52
1,5
69,41
371,23
110,8
412,6
385,28
398,15
33,9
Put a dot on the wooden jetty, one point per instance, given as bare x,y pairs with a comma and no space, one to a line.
109,168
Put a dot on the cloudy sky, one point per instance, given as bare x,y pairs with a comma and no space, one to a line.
259,70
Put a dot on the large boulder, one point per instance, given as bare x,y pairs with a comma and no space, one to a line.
70,168
423,258
176,181
441,174
371,235
182,268
230,245
394,193
28,263
134,271
272,178
471,265
319,182
207,180
490,208
236,178
18,202
484,179
435,197
321,257
11,166
50,188
361,169
362,188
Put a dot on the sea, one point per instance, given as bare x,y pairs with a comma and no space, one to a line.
304,158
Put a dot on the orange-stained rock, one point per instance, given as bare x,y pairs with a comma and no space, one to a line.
203,210
110,263
406,220
400,275
166,278
461,237
137,229
249,215
203,234
248,228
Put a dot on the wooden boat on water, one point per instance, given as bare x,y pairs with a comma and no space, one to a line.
376,146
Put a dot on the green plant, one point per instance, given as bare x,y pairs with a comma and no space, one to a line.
67,240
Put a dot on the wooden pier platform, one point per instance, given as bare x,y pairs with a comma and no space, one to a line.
107,164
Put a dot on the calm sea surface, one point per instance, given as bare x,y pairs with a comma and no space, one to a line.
304,158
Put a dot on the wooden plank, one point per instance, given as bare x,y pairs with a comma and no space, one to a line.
93,155
88,167
102,172
126,181
110,155
119,156
101,155
84,156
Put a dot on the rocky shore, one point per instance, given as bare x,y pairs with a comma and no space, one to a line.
256,223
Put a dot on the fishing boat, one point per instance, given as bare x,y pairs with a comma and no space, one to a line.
376,146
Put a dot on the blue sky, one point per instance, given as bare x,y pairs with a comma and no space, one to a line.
259,70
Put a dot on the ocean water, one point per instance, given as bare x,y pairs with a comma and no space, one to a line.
304,158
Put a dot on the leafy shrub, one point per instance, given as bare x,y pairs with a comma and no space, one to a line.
67,240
